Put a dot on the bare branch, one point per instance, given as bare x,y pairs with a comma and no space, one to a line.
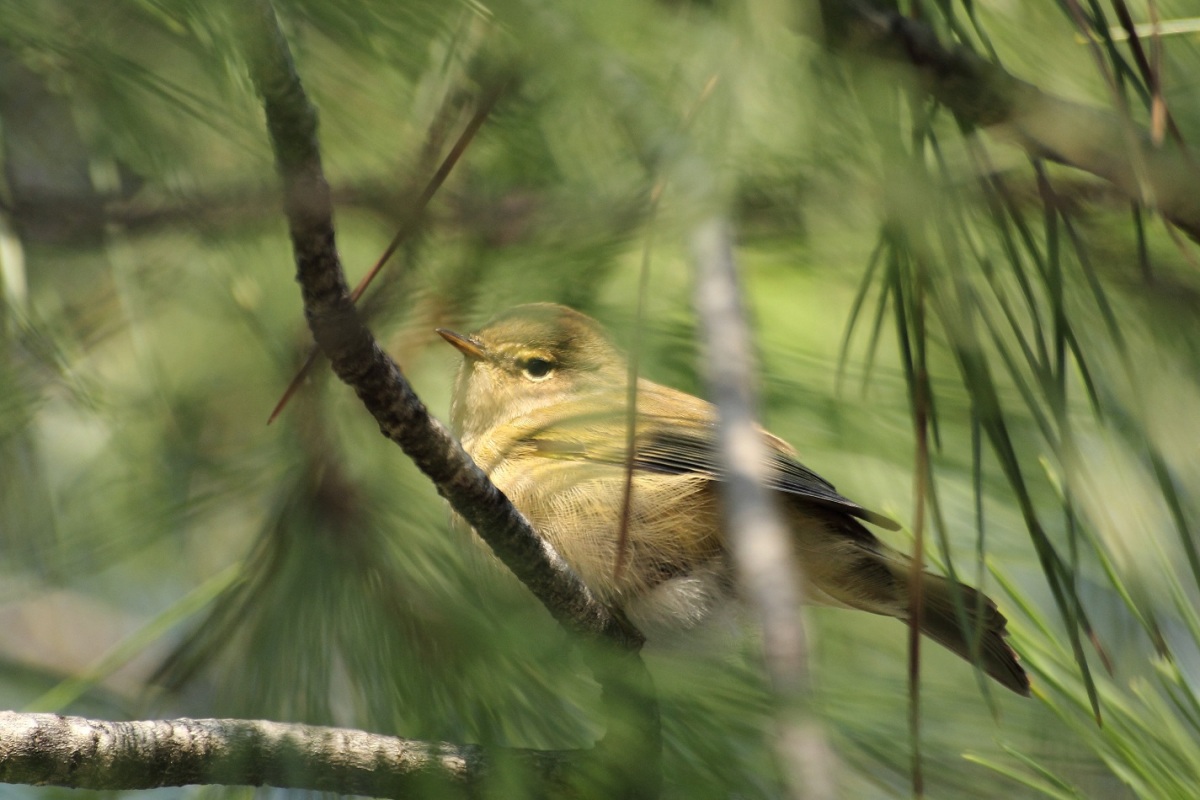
47,749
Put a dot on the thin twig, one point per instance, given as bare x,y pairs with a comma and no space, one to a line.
656,193
920,400
407,226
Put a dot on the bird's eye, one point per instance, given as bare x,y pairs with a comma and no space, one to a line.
537,369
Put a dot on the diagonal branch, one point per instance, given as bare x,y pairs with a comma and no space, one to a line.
359,361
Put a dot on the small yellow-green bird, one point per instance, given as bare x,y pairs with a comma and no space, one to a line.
540,403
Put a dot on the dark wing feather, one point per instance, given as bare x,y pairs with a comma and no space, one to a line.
677,435
676,451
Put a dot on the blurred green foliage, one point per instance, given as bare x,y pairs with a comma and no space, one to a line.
164,552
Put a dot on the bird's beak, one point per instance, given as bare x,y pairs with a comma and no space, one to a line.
469,346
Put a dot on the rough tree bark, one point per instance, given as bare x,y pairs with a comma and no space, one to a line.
47,749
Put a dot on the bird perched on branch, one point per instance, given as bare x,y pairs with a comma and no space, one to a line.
541,404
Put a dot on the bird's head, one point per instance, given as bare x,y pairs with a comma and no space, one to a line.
529,358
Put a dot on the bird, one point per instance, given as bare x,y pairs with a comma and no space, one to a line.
540,402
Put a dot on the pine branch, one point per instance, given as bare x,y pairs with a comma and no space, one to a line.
980,93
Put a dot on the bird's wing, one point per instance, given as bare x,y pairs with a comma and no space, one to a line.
678,450
676,434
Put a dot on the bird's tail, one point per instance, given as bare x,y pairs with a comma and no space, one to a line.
844,564
982,640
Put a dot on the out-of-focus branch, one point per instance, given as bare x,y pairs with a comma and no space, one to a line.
760,542
981,93
47,749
